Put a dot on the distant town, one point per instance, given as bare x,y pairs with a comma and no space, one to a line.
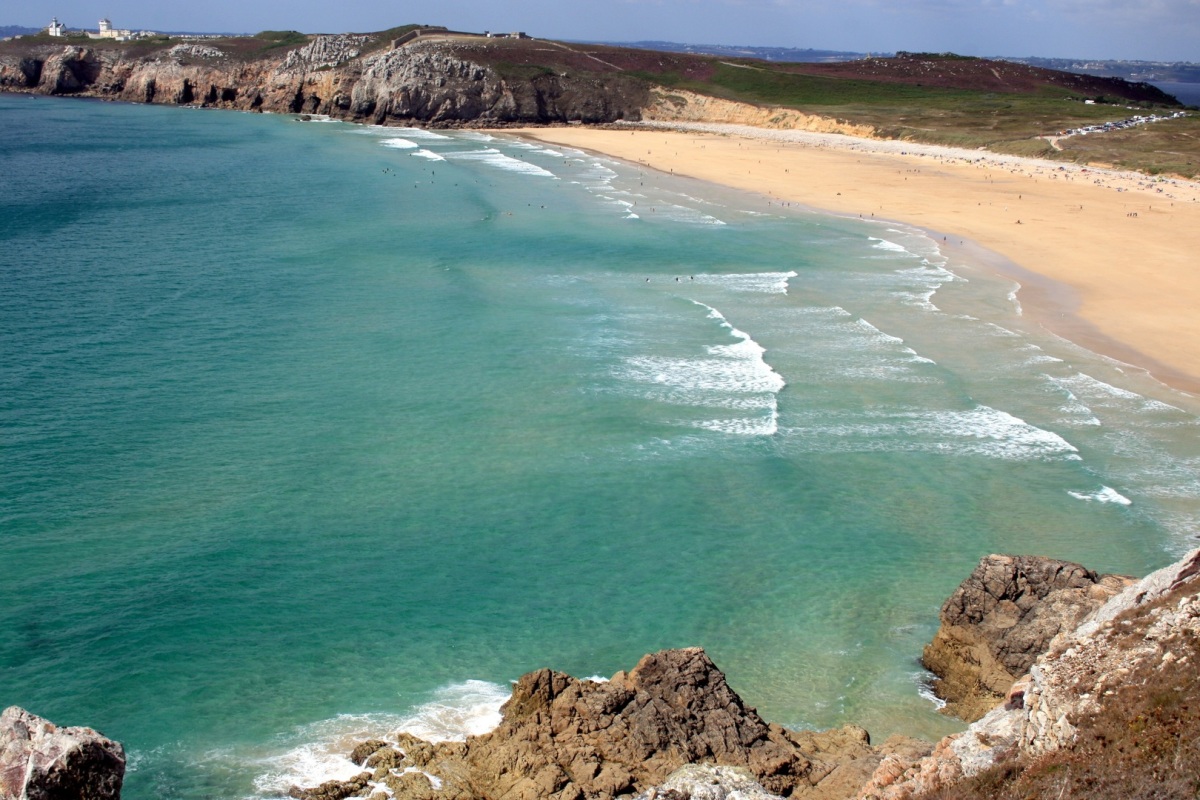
106,31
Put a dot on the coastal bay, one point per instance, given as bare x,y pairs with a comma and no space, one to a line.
1105,258
301,455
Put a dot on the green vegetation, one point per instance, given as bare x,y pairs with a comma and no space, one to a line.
383,40
276,39
1013,123
521,72
756,84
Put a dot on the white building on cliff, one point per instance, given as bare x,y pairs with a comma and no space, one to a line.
107,31
56,28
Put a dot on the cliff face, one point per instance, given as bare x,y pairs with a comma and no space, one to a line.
566,739
1115,699
1135,651
1001,618
426,82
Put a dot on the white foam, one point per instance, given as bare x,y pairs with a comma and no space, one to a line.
1000,331
742,426
982,431
1077,411
1000,433
764,282
823,311
693,378
457,711
924,681
429,154
384,130
892,247
878,334
1012,298
423,133
1104,494
494,158
1101,392
533,148
676,213
734,377
399,144
322,756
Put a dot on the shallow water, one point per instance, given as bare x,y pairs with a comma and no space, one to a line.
313,430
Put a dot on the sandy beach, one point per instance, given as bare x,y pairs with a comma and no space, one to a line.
1107,259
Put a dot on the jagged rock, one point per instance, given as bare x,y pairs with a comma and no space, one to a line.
40,761
346,76
1001,619
333,790
561,738
1150,623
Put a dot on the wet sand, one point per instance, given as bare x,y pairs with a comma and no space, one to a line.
1107,259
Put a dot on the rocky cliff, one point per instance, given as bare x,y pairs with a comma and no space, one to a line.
430,82
1095,670
1107,709
1112,701
1001,618
570,739
41,761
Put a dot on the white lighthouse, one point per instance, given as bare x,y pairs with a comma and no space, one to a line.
56,28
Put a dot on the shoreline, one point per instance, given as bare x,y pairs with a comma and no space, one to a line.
1105,259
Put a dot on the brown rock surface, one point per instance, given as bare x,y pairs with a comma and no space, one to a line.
1001,618
568,739
430,82
41,761
1123,649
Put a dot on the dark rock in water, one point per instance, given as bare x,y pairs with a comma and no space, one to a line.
40,761
1001,619
333,790
565,739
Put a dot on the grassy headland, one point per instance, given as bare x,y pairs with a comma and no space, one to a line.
942,98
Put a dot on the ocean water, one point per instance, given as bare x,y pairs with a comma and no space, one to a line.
316,431
1186,93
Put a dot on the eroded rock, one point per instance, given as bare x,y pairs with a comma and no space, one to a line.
1150,623
41,761
562,738
1001,618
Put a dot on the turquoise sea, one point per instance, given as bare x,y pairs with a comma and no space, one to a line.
312,431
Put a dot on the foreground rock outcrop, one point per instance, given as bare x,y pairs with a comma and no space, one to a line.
1001,618
570,739
41,761
1113,661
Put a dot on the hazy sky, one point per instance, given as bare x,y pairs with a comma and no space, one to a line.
1131,29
